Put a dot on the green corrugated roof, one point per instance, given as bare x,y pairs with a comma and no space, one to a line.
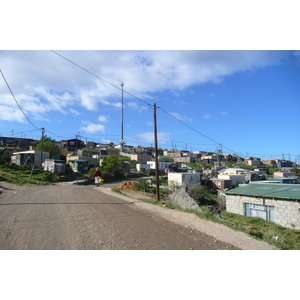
269,190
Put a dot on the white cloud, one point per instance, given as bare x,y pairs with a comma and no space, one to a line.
103,119
180,117
49,83
207,116
224,113
74,112
136,107
94,128
180,103
11,114
162,137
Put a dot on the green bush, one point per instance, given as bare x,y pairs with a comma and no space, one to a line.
153,190
199,194
49,176
142,185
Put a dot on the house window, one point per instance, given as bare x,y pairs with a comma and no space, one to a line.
262,211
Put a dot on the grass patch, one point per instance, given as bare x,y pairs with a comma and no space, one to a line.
279,236
151,200
21,176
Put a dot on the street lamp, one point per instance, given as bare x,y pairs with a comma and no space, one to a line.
122,119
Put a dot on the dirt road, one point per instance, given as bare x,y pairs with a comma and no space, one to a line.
83,217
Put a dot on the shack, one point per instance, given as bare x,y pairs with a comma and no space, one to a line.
29,158
55,166
79,165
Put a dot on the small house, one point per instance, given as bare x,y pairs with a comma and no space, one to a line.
31,158
188,178
79,165
286,180
279,203
55,166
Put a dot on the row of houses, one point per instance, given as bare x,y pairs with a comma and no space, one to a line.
179,156
276,200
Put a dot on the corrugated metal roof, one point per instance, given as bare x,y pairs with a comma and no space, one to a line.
282,191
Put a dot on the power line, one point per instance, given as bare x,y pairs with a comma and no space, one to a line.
143,101
98,77
17,101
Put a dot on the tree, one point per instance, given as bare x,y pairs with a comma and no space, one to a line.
296,170
48,146
113,165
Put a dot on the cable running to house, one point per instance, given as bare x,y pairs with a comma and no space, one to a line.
17,101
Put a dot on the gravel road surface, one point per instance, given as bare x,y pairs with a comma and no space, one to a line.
84,217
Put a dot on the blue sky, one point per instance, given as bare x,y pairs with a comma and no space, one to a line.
248,101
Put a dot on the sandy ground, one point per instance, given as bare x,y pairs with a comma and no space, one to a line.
220,232
77,217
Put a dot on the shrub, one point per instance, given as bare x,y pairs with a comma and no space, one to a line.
49,176
153,190
142,185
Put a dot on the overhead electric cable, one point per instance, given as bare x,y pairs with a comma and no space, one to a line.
141,100
62,136
17,101
98,77
196,130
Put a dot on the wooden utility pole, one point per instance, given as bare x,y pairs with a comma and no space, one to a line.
122,121
156,155
43,131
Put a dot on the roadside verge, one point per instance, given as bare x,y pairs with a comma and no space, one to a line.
219,232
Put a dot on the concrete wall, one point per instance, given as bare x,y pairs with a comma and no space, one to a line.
286,212
141,158
180,178
185,159
236,179
284,174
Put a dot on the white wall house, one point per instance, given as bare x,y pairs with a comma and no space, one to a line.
142,167
236,179
188,178
161,165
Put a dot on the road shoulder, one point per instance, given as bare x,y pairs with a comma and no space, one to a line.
218,231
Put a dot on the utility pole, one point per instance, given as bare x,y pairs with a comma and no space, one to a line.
156,154
122,119
76,145
43,131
